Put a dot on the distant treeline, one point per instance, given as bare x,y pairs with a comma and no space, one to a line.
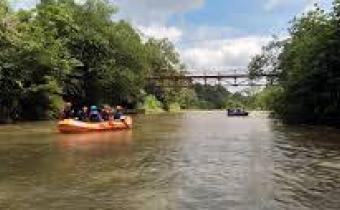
308,65
218,97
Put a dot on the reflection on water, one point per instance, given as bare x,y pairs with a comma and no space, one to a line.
195,160
308,167
94,141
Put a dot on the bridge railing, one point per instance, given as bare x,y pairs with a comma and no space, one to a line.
213,72
227,78
211,75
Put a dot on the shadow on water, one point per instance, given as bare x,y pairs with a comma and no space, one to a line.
95,142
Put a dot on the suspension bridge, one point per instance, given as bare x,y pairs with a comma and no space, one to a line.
235,78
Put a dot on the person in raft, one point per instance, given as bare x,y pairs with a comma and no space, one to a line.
107,113
119,115
95,115
67,112
83,114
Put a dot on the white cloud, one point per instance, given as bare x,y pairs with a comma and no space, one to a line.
146,12
200,46
275,4
172,33
206,32
233,53
308,4
271,4
210,47
207,47
21,4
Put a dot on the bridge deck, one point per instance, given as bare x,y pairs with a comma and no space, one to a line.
189,78
204,76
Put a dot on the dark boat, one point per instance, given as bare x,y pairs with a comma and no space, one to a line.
237,113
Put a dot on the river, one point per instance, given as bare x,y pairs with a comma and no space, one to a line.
193,160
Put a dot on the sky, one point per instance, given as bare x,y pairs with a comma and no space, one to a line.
211,35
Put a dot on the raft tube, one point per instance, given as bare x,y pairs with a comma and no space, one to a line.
75,126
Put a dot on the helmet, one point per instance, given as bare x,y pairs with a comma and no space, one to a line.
93,108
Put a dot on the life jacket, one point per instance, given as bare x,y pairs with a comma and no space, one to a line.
67,114
118,115
95,116
106,115
83,116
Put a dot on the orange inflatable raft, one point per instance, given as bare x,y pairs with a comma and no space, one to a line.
75,126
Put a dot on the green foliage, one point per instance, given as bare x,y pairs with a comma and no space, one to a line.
66,50
267,99
174,107
218,97
188,99
233,103
11,75
308,65
41,101
63,49
164,60
240,100
211,97
151,104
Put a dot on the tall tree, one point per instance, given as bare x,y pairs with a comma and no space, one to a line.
308,64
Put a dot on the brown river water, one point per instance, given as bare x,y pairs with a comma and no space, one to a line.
193,160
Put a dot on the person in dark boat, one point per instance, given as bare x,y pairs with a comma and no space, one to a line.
94,115
237,112
67,112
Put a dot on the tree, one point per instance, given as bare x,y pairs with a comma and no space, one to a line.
63,49
163,59
308,68
10,73
212,97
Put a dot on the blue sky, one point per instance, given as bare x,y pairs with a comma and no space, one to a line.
247,15
211,33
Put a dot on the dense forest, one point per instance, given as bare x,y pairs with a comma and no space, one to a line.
308,68
64,51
